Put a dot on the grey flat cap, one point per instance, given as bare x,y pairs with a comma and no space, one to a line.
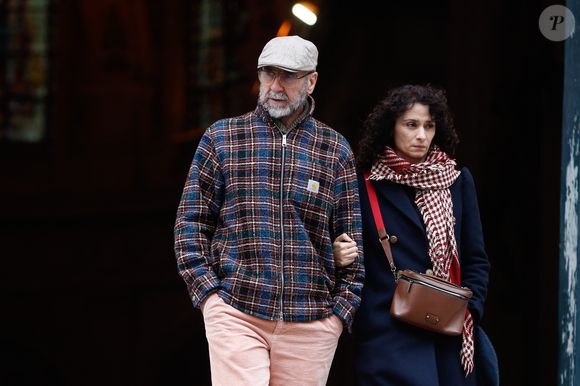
291,53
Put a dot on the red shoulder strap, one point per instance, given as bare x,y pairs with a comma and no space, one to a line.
383,235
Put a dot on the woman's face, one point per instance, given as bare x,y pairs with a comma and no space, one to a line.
413,133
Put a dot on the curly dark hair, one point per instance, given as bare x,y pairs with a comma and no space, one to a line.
379,124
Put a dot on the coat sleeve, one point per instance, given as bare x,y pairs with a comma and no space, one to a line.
196,221
347,219
474,262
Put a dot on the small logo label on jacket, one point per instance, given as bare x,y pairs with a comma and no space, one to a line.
313,186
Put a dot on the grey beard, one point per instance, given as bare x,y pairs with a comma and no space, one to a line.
281,112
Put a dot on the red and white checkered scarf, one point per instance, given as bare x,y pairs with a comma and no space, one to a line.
431,180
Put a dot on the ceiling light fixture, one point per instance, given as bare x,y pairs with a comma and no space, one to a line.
306,12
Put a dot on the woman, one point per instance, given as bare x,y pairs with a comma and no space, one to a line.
431,207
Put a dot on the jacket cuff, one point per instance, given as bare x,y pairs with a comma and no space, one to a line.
345,311
202,287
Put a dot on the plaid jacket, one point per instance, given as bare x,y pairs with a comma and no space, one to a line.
258,215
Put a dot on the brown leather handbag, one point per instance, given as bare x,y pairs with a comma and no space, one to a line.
422,300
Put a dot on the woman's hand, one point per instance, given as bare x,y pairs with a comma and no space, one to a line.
344,250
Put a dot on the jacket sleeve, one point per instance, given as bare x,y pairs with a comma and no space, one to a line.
196,221
474,262
347,219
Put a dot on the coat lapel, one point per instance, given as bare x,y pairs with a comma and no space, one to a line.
398,198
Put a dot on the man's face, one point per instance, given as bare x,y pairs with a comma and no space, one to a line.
283,93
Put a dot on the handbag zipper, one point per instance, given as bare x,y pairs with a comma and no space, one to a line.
451,293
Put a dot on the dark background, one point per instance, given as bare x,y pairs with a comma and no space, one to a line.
89,291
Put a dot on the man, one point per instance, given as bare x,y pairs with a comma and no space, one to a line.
266,195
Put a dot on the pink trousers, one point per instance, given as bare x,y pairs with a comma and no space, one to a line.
246,350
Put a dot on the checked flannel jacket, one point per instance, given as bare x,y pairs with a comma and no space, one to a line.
258,215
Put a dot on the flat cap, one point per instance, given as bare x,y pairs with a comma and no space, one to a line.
290,53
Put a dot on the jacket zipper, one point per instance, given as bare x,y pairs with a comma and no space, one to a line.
282,226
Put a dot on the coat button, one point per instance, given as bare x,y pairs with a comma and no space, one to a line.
393,239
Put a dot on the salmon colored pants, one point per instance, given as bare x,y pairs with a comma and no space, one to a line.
246,350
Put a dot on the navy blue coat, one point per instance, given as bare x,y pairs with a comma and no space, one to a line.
390,352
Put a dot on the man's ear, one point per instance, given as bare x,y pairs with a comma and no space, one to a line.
312,78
